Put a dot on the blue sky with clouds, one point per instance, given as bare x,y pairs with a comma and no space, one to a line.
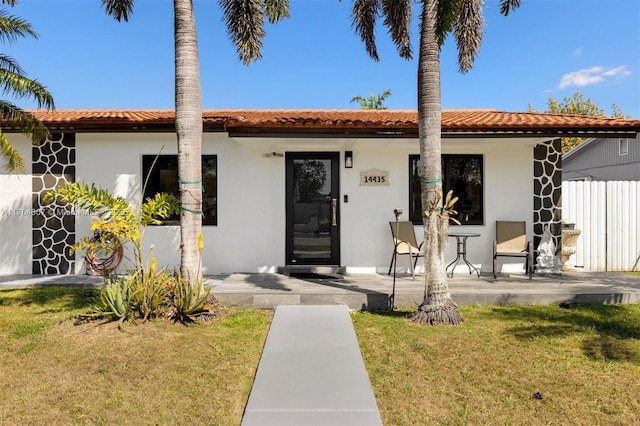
547,48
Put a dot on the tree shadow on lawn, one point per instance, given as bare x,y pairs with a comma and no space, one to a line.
51,298
610,330
402,313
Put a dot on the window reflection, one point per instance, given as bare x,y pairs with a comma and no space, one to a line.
164,178
312,208
463,175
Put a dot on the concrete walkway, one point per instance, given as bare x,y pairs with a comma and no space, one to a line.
311,372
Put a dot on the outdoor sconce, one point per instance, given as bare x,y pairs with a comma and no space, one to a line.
348,159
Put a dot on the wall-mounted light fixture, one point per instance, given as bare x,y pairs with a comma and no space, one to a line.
348,159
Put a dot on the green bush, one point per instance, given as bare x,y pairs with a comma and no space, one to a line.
146,293
151,291
115,300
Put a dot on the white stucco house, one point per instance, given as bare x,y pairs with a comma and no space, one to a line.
291,187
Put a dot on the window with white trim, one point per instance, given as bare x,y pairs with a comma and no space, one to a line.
623,146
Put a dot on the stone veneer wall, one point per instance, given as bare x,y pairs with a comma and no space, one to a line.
54,227
547,191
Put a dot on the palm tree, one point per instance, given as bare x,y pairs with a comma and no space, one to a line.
372,101
438,19
245,27
15,82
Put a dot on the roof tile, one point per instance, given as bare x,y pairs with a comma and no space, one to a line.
453,121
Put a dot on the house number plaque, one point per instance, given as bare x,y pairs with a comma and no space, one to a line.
374,177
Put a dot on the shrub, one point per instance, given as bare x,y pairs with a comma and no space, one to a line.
190,303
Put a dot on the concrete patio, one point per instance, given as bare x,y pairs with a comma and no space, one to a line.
373,291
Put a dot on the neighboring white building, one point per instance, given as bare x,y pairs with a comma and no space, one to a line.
279,189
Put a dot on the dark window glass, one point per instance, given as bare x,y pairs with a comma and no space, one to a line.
164,178
463,175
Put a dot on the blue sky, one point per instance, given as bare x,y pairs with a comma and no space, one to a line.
314,60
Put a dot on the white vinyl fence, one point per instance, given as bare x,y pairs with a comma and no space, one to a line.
608,214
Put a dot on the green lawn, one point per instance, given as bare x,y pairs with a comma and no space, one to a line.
54,372
583,363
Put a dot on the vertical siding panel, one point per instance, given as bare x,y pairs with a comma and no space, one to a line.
583,254
636,261
577,217
585,240
608,214
600,229
589,235
619,208
616,239
610,200
618,226
634,236
625,229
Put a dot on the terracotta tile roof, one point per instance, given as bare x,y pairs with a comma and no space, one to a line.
341,121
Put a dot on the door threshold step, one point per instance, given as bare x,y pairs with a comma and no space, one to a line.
313,271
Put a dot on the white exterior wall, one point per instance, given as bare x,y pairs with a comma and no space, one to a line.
250,235
16,238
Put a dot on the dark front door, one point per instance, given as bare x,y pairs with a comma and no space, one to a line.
313,220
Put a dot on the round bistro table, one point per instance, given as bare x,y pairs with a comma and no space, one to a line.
461,251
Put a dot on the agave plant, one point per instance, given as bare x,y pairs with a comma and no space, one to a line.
191,303
115,300
150,291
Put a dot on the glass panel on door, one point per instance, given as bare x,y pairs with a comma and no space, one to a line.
312,209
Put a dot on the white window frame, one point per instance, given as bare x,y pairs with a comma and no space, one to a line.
623,146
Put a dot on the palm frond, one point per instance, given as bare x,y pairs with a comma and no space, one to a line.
372,101
13,27
14,160
19,86
245,27
161,206
276,10
508,5
118,9
26,122
362,101
10,64
397,18
364,16
448,11
468,33
10,2
114,213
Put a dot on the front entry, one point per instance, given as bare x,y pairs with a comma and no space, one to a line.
313,220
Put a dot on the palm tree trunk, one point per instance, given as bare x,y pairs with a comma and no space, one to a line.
189,133
437,307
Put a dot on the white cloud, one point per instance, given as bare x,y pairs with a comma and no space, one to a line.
620,72
593,75
578,51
